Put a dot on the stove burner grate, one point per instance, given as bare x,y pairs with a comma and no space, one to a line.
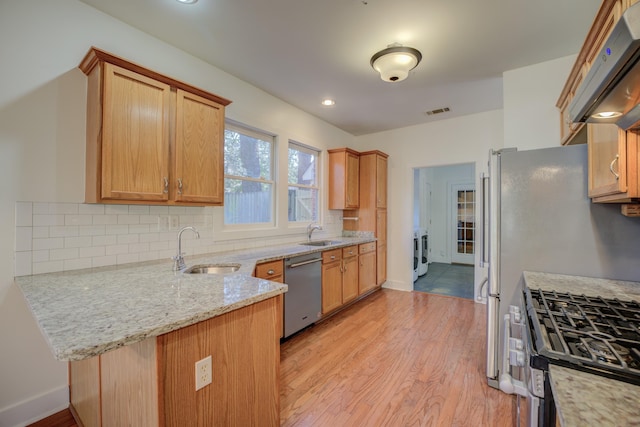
587,332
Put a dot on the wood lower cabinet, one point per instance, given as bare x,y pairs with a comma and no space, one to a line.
331,280
272,270
367,268
150,139
339,277
152,383
350,274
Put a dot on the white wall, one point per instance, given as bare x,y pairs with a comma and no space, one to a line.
531,118
465,139
42,126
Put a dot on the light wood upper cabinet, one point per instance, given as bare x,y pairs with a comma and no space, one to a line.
344,178
614,164
135,132
150,139
199,150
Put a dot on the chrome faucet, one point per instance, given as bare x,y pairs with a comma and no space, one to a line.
178,261
310,228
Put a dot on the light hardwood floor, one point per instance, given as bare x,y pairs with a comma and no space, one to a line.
394,359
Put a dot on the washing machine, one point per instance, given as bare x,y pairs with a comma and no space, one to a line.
416,254
424,253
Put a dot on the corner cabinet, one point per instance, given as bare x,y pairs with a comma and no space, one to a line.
150,139
344,179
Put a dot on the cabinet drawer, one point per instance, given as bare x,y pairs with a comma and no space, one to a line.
269,270
367,247
349,251
331,256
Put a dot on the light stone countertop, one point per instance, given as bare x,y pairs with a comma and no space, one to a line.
584,399
592,400
84,313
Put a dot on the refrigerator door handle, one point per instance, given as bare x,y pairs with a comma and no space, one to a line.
484,259
493,332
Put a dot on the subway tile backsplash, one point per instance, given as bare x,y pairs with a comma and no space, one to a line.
53,237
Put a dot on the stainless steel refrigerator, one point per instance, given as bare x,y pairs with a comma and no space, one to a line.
540,219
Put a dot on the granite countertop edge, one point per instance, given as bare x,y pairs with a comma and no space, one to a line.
582,398
85,313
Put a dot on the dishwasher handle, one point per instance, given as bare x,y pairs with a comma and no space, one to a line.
300,264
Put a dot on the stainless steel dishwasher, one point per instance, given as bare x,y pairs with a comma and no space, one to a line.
303,300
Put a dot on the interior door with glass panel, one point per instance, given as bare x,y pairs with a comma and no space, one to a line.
464,225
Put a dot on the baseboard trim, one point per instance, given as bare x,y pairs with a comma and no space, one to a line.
397,285
36,408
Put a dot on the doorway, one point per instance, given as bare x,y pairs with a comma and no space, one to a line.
445,209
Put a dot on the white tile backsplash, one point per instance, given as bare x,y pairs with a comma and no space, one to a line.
24,239
24,214
54,237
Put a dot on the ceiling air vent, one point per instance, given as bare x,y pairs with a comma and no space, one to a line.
438,111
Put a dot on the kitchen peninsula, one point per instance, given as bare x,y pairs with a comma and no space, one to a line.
133,333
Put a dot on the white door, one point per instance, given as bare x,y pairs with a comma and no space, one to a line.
463,223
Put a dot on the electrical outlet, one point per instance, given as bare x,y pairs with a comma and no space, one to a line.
203,372
175,222
163,223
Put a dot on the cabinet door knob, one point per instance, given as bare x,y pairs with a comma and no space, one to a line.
333,257
613,162
166,185
270,272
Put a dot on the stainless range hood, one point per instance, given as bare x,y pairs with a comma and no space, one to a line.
611,91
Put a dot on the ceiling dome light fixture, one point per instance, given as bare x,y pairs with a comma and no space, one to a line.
328,102
187,1
395,62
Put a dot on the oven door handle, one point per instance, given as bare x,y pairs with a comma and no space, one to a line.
507,383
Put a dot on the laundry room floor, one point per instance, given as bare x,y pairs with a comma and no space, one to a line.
447,279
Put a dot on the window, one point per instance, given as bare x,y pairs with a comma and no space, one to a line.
248,175
303,183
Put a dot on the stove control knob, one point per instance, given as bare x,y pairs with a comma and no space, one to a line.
516,344
516,358
514,310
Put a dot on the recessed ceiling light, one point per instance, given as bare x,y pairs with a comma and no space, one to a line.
328,102
606,115
187,1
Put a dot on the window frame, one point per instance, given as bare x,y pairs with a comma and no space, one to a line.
307,149
262,135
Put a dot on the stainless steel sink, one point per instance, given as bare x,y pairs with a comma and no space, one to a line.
321,243
212,269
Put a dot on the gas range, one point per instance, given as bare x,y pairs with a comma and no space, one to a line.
593,334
